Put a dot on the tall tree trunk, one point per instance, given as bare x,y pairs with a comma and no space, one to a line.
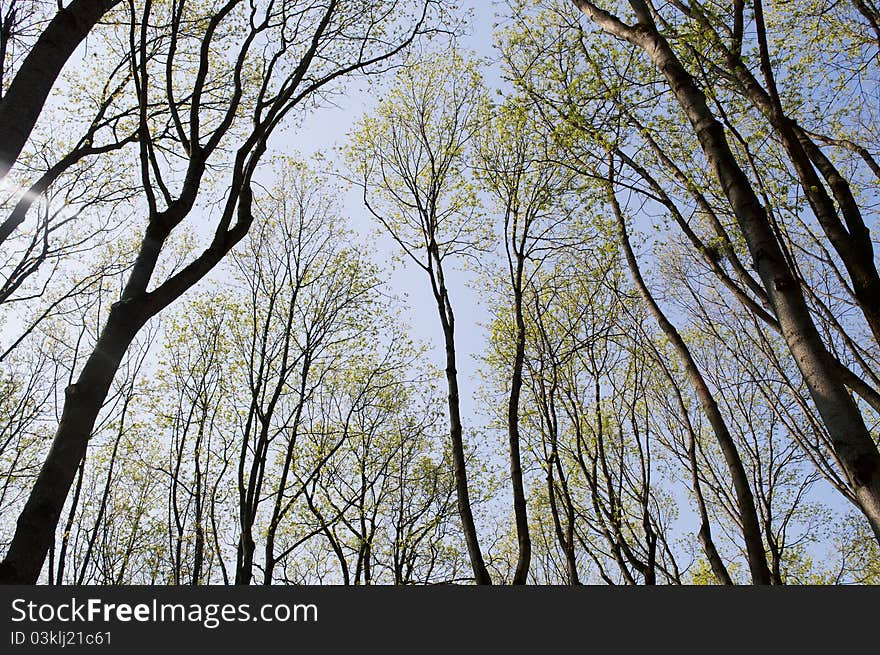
248,503
748,515
850,238
105,496
199,544
278,509
565,536
21,105
524,541
68,527
245,559
459,466
481,575
84,399
705,532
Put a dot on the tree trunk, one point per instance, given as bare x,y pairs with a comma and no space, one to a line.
245,560
751,528
481,575
36,524
459,466
516,477
705,533
27,93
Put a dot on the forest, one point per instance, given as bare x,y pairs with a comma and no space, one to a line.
420,292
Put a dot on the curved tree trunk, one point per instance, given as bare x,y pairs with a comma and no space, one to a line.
751,527
459,466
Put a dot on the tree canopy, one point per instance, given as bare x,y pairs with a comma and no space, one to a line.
225,359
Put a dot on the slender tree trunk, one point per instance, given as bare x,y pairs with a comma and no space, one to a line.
68,527
331,538
705,533
102,506
546,403
751,528
565,536
481,575
516,477
21,105
278,509
245,560
459,466
199,544
775,557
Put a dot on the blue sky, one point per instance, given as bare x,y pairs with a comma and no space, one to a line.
324,131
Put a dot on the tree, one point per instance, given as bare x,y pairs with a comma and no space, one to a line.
587,381
747,514
747,209
853,444
409,160
516,164
198,379
307,301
